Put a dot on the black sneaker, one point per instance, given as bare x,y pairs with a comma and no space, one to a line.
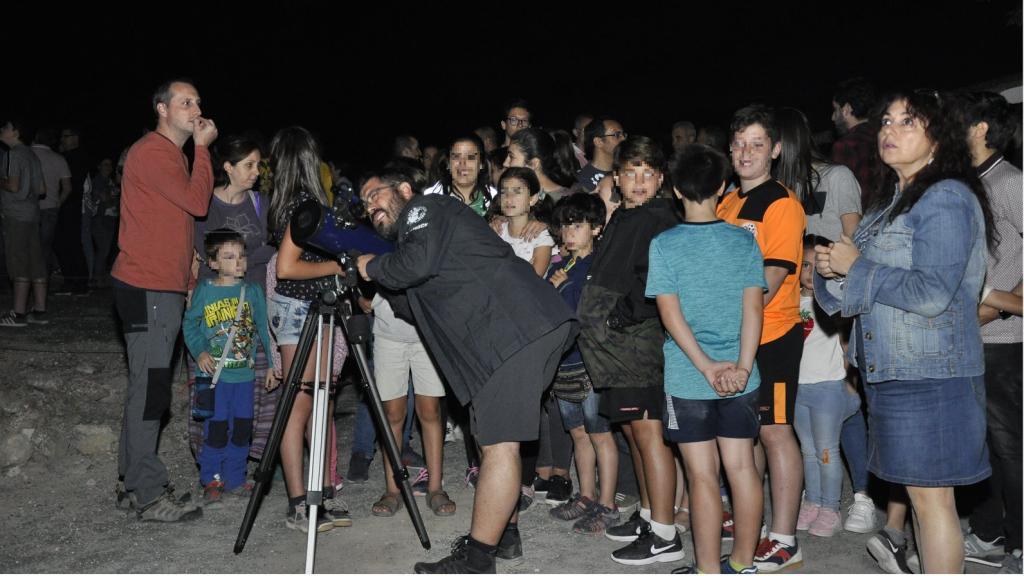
890,557
649,548
464,559
358,468
540,486
629,530
559,490
510,547
36,317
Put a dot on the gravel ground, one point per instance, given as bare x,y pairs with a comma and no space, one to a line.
61,394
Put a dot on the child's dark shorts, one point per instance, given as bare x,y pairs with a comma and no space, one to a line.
778,362
703,420
628,404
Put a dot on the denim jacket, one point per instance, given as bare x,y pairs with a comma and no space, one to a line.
915,288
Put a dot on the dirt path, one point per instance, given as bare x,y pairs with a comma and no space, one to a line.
61,393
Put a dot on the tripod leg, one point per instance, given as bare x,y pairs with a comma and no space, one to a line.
401,475
265,470
318,440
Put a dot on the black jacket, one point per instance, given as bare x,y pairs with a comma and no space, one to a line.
475,302
621,335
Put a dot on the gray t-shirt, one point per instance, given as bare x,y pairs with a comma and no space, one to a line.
837,193
23,205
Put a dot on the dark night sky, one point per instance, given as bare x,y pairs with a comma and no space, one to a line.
358,77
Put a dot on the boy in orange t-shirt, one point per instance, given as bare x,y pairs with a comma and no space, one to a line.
774,215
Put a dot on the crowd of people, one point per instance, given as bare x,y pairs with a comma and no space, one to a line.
679,326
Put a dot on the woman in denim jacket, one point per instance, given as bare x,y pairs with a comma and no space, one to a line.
911,277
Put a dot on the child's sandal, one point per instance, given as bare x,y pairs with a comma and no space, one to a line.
440,503
387,506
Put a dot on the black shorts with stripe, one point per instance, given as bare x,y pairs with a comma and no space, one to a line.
778,362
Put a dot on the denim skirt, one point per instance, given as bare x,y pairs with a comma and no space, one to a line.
928,433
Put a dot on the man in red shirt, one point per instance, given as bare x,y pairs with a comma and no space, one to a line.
159,202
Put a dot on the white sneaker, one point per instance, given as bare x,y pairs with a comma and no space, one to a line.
860,517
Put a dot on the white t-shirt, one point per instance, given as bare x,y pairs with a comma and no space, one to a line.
390,327
822,360
842,196
523,248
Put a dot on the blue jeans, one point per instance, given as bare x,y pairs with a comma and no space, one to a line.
854,443
820,411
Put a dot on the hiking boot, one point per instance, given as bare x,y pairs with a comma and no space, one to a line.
298,519
983,552
13,320
464,559
649,548
168,509
629,530
559,490
860,516
597,521
510,547
827,523
808,512
773,556
359,468
577,507
891,558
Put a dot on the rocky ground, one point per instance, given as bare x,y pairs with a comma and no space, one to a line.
61,393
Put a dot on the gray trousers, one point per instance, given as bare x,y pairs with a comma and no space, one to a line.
151,321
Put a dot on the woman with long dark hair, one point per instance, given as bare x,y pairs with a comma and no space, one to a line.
467,177
550,156
911,278
295,165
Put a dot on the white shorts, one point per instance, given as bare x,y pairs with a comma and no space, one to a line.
392,363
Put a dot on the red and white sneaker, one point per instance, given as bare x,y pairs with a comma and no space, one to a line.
774,556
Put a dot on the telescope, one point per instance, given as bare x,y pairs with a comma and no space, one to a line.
333,232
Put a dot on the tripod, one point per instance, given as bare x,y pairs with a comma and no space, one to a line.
323,311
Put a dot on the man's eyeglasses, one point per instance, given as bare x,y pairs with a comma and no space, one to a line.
517,122
617,134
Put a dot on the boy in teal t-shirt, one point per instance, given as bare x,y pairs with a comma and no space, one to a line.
207,324
707,277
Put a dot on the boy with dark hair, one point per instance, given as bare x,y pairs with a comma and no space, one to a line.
709,356
621,339
220,326
775,217
580,218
